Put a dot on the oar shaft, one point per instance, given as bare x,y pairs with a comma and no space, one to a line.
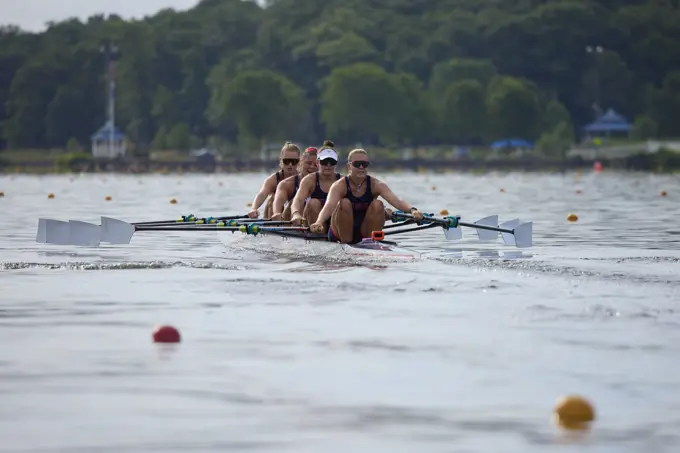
416,228
485,227
212,228
203,223
185,220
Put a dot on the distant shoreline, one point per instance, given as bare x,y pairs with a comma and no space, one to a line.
655,163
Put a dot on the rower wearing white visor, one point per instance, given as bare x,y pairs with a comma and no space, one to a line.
313,191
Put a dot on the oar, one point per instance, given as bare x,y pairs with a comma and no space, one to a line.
513,231
114,231
75,232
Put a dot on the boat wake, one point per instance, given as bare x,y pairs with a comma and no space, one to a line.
318,251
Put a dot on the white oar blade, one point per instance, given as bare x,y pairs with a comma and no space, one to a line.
523,235
509,238
41,235
453,234
52,231
487,235
83,233
114,231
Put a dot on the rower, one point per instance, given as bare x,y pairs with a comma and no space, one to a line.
313,191
352,203
289,159
286,190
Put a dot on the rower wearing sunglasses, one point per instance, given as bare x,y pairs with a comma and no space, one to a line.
288,163
352,204
313,191
286,190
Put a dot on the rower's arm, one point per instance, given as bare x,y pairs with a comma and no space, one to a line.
282,194
335,194
303,192
268,187
382,190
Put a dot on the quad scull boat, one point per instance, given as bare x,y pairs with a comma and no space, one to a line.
117,232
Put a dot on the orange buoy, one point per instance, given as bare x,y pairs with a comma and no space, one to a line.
166,334
50,196
572,217
663,193
173,201
579,191
434,187
573,412
2,194
443,212
108,198
502,190
249,205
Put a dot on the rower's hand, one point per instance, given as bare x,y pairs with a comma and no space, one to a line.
388,214
254,214
417,215
276,217
296,220
317,227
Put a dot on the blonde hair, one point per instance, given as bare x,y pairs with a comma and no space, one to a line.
356,151
289,146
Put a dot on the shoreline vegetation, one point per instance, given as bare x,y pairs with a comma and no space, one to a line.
237,75
428,159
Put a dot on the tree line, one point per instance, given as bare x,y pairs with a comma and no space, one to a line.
379,72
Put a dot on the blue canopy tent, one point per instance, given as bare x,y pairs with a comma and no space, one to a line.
512,143
610,122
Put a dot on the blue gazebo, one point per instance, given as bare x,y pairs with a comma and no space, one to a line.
108,142
608,124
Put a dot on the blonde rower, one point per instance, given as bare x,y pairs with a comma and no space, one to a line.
288,188
352,203
289,158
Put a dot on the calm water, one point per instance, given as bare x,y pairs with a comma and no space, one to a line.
460,350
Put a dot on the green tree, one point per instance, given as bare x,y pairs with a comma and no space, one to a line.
464,116
512,108
263,104
358,101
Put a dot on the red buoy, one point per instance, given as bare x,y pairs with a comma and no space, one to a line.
166,334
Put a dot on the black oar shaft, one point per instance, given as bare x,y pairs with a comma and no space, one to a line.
211,228
485,227
176,222
417,228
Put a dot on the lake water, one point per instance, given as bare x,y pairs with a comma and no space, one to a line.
464,349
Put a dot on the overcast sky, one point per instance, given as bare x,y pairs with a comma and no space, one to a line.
32,15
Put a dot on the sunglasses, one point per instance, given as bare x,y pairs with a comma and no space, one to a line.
360,164
290,161
328,162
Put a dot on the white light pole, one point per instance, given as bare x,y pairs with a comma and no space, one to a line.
110,51
596,51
